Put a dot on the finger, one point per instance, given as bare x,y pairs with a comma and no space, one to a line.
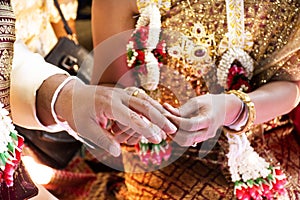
103,121
189,108
154,115
153,102
129,118
134,139
118,128
171,109
186,138
190,124
100,137
124,136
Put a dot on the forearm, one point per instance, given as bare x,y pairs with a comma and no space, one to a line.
271,100
275,99
44,98
112,23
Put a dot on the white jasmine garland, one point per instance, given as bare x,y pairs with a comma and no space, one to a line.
228,58
6,127
150,80
244,163
150,16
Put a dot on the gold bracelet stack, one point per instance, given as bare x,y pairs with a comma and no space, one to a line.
251,112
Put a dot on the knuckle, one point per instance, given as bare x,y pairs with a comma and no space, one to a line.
146,105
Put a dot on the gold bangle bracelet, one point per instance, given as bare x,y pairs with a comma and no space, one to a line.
251,112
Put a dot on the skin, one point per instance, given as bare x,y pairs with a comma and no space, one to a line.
197,119
87,109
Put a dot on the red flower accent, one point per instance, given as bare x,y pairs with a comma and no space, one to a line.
160,52
241,83
8,174
140,37
237,79
154,153
267,188
140,59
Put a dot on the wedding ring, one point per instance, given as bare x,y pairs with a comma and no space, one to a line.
136,93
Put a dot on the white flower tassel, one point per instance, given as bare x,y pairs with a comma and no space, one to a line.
150,80
244,163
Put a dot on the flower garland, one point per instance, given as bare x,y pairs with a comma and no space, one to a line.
253,177
145,50
155,154
146,53
11,145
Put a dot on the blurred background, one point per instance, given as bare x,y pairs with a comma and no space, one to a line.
83,23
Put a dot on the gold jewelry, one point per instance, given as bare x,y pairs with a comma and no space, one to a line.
251,112
134,91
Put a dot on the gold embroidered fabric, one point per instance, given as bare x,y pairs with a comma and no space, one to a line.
273,27
7,38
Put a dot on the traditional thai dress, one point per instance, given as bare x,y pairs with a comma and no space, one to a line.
272,39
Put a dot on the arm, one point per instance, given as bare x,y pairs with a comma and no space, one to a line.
112,24
275,99
199,118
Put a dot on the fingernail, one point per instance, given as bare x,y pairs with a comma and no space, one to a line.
115,151
173,128
157,138
164,135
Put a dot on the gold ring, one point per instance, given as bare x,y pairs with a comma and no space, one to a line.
135,93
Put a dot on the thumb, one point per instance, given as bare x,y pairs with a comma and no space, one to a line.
95,137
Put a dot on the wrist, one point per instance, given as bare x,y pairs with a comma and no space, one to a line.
44,97
62,100
234,107
246,117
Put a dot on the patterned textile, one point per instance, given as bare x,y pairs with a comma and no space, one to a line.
192,178
7,38
187,178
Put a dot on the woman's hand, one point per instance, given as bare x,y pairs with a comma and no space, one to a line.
199,118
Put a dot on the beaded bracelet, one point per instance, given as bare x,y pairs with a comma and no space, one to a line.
251,112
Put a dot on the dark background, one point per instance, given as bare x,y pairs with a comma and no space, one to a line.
83,23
